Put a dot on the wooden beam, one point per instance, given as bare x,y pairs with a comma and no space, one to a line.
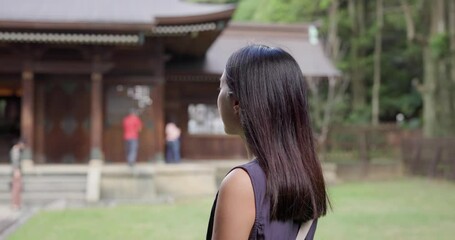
71,67
137,64
134,79
55,67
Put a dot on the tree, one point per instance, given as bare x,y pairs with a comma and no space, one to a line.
356,9
438,84
377,62
386,60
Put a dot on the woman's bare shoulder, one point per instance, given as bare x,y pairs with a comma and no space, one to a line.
235,210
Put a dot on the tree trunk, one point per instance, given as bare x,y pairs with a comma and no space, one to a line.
428,94
438,80
333,40
333,49
452,43
357,81
409,20
410,26
450,70
328,109
444,110
431,70
316,103
377,63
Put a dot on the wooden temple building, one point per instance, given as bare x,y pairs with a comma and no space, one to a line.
71,70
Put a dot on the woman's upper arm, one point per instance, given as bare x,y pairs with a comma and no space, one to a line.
235,209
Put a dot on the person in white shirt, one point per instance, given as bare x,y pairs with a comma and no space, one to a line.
172,143
16,181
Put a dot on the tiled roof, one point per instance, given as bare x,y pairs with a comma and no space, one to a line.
106,14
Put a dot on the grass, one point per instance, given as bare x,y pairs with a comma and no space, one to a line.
404,209
184,220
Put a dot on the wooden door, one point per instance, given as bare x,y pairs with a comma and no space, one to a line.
63,119
119,100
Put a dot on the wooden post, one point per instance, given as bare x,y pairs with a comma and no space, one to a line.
159,119
96,133
417,166
39,155
159,96
451,142
433,163
364,151
27,114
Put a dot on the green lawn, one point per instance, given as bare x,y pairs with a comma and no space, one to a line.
400,209
406,209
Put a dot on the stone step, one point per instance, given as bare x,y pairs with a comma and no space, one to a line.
44,194
42,197
55,187
53,178
4,186
54,195
4,180
62,184
42,188
5,197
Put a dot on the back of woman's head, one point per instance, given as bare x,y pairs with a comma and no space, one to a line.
272,95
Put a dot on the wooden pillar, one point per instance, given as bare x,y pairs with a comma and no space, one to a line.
27,114
40,119
158,118
160,99
96,134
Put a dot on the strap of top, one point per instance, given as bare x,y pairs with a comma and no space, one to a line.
258,180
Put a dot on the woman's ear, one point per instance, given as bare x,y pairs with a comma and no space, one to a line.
235,103
236,107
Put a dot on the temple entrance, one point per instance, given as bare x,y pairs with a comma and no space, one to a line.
10,114
9,124
62,119
119,100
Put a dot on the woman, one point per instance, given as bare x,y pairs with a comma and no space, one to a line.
172,142
262,99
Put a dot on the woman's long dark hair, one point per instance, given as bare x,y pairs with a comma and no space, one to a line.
272,93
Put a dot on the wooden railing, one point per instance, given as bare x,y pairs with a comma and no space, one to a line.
433,157
365,143
203,147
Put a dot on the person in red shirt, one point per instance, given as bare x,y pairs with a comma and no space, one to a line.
132,125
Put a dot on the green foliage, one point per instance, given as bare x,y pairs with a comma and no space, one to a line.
276,11
412,124
401,60
324,4
246,10
361,116
440,45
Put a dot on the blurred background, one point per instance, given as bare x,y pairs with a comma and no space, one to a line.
381,79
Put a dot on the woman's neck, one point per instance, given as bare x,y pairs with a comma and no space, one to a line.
250,155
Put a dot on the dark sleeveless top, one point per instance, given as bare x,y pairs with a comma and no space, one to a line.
263,228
